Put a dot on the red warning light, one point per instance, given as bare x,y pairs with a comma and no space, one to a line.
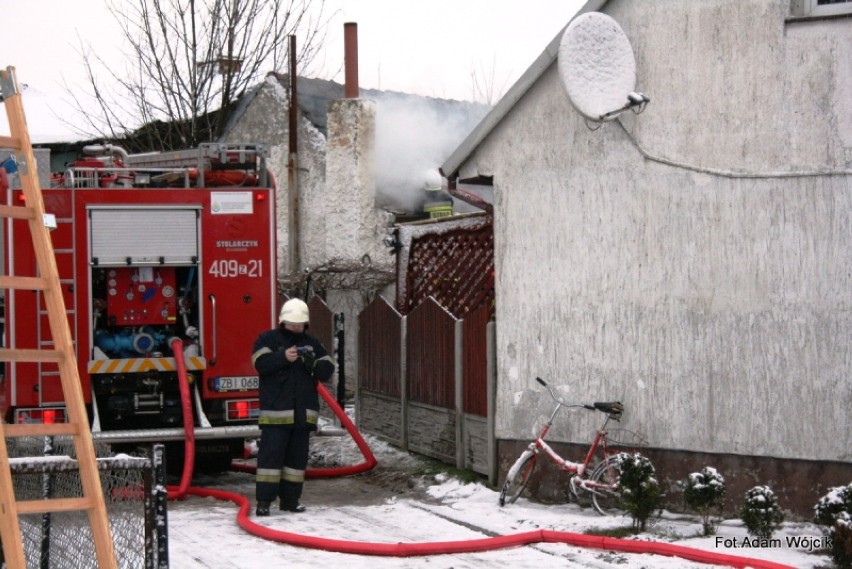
242,409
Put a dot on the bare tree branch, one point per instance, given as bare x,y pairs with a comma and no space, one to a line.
187,63
483,84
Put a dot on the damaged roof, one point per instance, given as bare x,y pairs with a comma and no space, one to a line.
315,94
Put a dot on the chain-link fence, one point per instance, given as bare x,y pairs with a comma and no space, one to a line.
134,494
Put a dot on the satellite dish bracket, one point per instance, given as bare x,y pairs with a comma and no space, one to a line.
635,101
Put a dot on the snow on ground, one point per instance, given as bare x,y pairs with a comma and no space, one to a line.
203,532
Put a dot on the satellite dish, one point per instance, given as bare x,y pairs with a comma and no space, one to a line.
597,67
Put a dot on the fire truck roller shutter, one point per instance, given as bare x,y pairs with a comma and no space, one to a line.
144,236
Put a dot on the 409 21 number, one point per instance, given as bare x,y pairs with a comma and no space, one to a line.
230,268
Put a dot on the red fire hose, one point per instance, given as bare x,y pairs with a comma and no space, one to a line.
188,423
425,548
478,545
189,433
369,460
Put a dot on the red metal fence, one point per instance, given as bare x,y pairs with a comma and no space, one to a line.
322,323
475,361
424,370
380,348
430,355
434,400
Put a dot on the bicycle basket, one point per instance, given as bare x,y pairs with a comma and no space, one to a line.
625,438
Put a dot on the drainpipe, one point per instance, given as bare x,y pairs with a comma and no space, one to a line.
350,60
292,170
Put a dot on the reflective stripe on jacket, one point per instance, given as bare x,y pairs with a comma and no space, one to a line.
288,394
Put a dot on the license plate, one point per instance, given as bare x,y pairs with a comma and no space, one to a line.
240,383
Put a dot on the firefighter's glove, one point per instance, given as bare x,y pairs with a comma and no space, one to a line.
309,358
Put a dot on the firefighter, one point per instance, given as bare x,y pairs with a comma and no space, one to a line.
289,362
437,202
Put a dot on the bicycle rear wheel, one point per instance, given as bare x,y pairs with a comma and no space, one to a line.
516,481
607,499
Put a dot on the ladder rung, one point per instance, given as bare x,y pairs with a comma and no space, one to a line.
17,212
10,142
10,355
54,505
23,283
92,502
40,429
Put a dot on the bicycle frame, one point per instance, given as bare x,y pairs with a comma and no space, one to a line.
601,481
578,468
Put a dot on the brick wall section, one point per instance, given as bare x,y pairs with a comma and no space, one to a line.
432,432
799,484
476,443
381,416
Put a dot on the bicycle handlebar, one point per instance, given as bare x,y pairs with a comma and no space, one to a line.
614,408
610,407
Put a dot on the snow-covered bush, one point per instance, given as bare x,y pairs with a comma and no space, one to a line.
640,491
760,512
834,510
704,492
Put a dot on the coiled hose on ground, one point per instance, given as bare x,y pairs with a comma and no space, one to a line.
416,549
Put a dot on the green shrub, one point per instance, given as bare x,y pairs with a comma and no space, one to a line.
760,512
834,503
639,489
841,542
704,493
834,510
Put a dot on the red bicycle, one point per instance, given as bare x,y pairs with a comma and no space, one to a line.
599,481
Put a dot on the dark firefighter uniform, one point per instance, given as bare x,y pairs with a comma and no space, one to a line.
289,408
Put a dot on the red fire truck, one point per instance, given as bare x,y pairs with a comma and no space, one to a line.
150,248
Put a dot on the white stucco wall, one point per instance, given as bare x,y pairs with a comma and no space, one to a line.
340,227
266,122
708,287
355,226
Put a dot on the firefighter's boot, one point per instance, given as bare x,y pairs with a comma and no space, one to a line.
289,494
262,508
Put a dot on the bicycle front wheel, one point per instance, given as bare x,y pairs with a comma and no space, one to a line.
606,498
517,480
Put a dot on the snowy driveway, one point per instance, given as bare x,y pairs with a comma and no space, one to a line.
415,508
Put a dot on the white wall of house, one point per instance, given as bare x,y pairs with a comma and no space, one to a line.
693,261
266,122
355,226
340,228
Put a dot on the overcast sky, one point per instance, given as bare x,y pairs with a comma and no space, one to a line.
425,47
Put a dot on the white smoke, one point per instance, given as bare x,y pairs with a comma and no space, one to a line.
414,135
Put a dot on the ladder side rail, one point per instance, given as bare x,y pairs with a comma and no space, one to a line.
59,327
10,528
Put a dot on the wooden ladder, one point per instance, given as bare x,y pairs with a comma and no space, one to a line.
62,354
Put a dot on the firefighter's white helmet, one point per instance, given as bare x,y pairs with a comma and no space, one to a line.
431,180
294,311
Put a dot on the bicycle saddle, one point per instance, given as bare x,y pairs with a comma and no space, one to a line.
610,407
